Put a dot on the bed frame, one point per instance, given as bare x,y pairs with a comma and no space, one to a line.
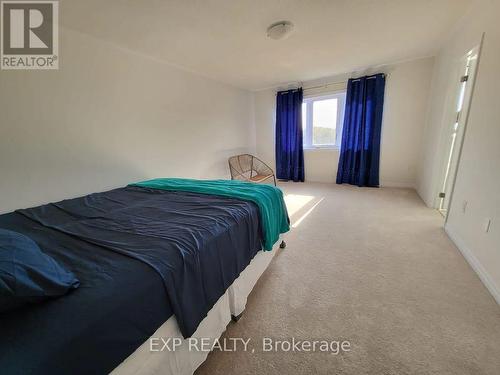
182,361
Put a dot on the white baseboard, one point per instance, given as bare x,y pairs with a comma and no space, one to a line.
474,263
397,184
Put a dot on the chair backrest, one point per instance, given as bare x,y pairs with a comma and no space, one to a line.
241,166
246,166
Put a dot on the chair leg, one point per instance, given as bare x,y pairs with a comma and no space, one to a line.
274,179
235,318
282,244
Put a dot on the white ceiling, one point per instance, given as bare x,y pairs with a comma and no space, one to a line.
226,39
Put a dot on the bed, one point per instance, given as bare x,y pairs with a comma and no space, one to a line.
151,263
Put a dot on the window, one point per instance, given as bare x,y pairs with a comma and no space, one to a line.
322,119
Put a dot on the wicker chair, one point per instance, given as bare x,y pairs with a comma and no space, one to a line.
247,167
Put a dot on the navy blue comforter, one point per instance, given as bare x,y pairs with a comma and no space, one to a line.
141,255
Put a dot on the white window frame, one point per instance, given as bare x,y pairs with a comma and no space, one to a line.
308,126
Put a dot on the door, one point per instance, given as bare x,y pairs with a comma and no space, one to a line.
456,128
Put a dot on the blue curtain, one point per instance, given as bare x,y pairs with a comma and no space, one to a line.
289,148
360,149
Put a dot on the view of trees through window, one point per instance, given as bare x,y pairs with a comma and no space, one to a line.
324,122
321,120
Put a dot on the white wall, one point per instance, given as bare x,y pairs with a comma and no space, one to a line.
109,117
478,178
405,111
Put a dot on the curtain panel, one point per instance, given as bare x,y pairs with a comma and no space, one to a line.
289,148
360,149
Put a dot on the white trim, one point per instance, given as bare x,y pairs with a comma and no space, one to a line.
355,73
465,109
321,148
473,262
397,184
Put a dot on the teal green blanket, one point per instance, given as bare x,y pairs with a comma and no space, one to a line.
269,199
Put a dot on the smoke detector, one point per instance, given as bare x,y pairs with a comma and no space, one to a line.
280,30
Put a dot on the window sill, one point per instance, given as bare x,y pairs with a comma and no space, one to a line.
331,148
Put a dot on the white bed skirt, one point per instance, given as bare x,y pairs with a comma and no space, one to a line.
182,360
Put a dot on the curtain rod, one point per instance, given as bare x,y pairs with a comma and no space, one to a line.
338,83
324,85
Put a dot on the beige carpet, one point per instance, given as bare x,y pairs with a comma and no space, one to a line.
374,267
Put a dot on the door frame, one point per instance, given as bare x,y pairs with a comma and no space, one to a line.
463,120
